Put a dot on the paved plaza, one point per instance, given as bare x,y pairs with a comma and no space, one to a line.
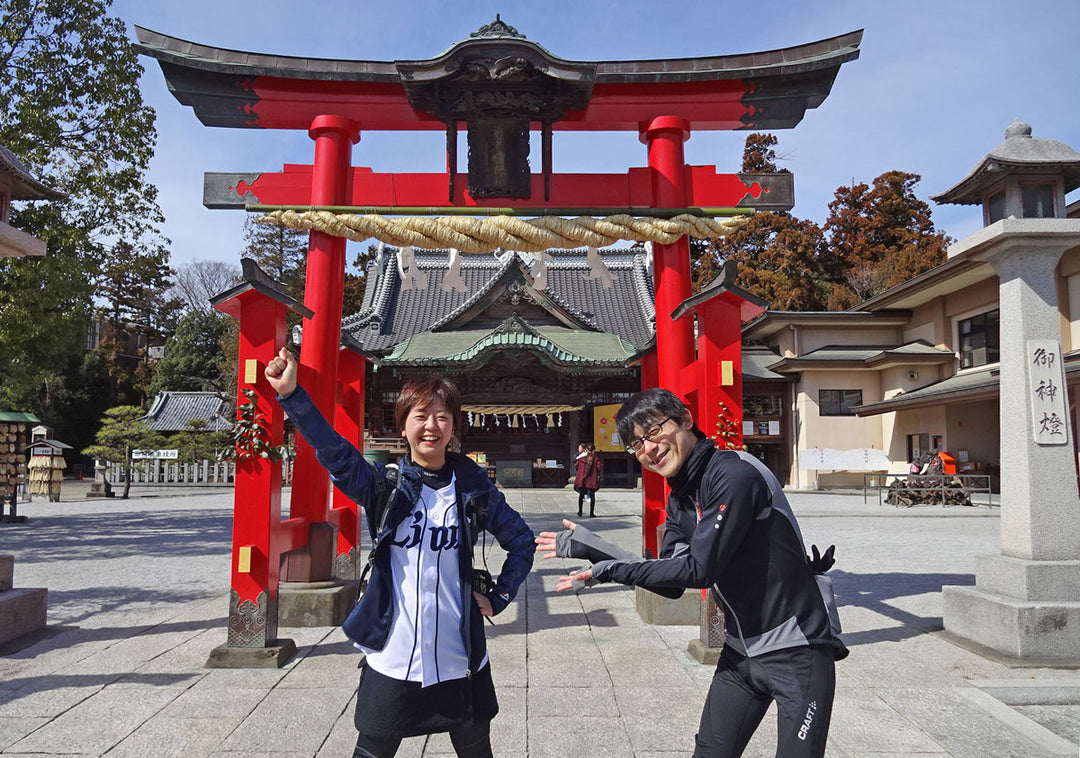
138,597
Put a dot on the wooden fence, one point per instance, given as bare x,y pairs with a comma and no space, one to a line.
203,473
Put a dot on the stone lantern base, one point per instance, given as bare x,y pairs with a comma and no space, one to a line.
1027,613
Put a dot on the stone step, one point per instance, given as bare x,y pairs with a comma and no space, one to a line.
22,611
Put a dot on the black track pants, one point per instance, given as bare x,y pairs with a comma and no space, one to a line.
801,680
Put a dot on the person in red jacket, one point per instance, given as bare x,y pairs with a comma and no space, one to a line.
588,468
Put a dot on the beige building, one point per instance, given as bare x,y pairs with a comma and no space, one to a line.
915,369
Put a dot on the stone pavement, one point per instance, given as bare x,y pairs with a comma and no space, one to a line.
138,598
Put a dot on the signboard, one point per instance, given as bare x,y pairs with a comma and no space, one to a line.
1046,386
605,438
162,455
514,473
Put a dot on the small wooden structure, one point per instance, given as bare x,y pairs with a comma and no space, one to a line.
46,465
13,437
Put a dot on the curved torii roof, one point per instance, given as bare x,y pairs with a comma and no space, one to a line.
763,90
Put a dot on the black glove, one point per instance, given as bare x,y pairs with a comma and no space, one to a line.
821,563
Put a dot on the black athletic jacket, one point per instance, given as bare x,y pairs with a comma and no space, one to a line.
730,527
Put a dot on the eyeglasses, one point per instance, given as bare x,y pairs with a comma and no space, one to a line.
650,434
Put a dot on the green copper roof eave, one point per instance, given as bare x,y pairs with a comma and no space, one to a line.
430,348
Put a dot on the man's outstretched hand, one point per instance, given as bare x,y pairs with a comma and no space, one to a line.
567,582
281,373
545,543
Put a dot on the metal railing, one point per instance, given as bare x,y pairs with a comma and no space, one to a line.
932,489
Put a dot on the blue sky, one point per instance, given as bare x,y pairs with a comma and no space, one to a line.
932,92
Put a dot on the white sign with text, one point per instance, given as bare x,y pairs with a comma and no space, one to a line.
1046,385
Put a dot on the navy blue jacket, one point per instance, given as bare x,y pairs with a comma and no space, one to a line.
480,505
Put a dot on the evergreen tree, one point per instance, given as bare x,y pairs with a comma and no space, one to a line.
882,236
279,251
195,444
781,258
122,432
759,155
135,314
194,359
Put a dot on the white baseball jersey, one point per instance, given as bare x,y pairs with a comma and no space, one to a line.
425,643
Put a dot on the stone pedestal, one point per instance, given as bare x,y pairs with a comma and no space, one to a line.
308,604
269,657
1025,604
22,611
1027,612
662,611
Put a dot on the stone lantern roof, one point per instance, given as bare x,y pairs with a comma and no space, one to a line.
1020,153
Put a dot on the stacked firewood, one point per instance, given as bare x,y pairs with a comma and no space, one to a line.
10,458
904,493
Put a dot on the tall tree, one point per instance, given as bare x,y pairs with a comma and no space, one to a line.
882,235
194,358
198,281
781,258
71,110
135,314
759,154
280,251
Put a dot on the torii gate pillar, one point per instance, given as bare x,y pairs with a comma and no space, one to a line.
330,185
260,537
664,137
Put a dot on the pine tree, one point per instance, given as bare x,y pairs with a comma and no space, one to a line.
122,432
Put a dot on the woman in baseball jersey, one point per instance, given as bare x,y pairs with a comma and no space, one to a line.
420,620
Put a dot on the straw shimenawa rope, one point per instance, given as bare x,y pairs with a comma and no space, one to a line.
483,235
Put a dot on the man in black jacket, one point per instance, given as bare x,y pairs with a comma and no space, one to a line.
729,527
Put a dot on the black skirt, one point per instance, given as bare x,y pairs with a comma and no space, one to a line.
388,707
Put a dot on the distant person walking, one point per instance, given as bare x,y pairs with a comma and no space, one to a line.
588,467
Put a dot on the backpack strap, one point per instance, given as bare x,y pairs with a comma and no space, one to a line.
384,496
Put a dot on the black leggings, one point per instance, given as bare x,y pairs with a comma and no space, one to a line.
801,680
582,493
468,742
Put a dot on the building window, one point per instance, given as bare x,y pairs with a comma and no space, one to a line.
995,207
1038,200
838,402
762,406
979,340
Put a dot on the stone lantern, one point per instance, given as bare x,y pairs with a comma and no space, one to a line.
1025,604
1023,177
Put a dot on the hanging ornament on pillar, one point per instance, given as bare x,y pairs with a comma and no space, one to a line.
550,420
597,269
453,282
514,421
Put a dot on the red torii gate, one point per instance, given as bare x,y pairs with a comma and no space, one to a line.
501,87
